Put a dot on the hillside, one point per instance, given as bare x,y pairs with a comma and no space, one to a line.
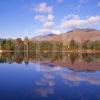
79,35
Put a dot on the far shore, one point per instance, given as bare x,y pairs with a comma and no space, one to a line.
67,51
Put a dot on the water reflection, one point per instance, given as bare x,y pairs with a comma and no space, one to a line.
68,84
47,76
74,61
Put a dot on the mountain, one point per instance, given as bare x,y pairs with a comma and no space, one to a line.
80,35
43,37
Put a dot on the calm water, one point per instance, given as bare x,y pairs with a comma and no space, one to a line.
47,76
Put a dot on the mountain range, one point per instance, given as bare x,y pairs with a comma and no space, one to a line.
79,35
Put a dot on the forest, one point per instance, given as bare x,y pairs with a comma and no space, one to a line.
21,45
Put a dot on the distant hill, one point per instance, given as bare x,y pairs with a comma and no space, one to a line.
80,35
43,37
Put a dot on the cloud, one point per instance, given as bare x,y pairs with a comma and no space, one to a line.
50,17
56,31
76,21
94,19
43,18
49,21
43,8
48,24
70,21
49,27
40,18
44,92
47,30
71,16
77,78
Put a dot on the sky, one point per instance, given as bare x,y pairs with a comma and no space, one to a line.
20,18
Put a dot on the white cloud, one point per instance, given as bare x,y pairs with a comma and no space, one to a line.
43,18
48,24
43,30
71,16
70,21
43,8
74,22
40,18
47,21
46,31
94,19
50,17
56,31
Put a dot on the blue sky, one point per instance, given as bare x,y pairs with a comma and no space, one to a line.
20,18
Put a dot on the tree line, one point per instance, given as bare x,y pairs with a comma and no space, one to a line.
20,45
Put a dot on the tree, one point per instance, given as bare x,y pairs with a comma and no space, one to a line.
96,45
73,44
46,46
88,45
26,43
19,45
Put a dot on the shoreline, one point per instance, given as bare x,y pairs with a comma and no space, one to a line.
67,51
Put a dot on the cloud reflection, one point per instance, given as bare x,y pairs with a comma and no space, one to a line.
77,78
44,92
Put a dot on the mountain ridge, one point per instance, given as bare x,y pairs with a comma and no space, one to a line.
80,35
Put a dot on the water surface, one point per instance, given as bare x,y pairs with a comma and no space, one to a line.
47,76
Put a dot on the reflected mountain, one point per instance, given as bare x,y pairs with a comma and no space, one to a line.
74,61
